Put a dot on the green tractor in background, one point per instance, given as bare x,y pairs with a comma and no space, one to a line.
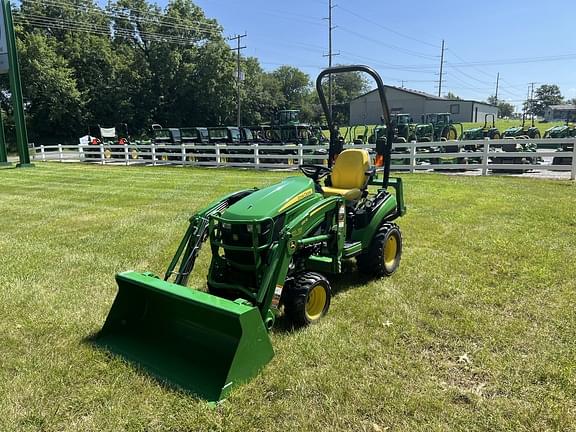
441,127
483,132
437,127
480,133
565,131
403,128
522,132
271,250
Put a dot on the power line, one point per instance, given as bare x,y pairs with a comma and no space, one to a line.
154,18
394,47
377,24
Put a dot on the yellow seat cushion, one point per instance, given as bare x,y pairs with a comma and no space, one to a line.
349,174
347,194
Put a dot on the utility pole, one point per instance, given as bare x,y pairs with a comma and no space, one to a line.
238,73
532,100
441,70
496,94
330,55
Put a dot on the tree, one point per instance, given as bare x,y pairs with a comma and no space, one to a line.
452,96
294,86
505,109
544,96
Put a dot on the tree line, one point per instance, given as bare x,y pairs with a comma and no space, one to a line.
136,63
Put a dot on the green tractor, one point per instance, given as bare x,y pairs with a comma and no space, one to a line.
437,127
483,132
480,133
565,131
271,251
403,128
522,132
404,131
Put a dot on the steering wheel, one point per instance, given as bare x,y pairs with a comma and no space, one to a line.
315,172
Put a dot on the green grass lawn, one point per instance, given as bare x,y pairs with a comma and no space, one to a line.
476,331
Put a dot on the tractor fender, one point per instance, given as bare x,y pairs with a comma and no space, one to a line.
382,213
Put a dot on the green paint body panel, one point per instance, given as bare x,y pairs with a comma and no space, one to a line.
272,200
197,341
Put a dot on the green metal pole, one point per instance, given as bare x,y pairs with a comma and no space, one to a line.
16,89
3,152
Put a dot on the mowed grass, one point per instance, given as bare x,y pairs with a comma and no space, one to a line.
476,331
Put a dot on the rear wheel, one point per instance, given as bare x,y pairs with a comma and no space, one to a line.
306,298
383,255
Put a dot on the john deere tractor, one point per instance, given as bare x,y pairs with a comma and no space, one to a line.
483,132
437,127
565,131
522,132
272,249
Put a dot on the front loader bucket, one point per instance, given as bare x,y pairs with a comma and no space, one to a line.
199,342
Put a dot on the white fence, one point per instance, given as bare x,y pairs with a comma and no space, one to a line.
412,157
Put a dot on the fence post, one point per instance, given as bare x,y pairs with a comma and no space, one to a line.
42,152
183,153
81,156
573,173
412,156
126,155
101,146
256,156
300,154
153,150
217,154
485,156
60,152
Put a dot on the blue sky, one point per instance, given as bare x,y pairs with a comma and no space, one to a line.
523,40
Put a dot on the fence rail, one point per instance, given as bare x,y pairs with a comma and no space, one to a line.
412,156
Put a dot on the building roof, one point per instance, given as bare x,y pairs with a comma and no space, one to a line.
424,95
563,107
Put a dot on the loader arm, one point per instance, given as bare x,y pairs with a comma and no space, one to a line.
196,235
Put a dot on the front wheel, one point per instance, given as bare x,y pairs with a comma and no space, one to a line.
306,298
383,256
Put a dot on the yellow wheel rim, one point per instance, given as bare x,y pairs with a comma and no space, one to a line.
315,303
164,157
452,135
107,154
496,136
390,251
134,154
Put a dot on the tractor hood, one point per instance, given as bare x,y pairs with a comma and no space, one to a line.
273,200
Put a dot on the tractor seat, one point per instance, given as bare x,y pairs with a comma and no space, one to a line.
350,175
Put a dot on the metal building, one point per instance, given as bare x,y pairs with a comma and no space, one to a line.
560,112
366,109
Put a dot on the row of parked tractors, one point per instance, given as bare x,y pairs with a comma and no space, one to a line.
287,131
439,127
